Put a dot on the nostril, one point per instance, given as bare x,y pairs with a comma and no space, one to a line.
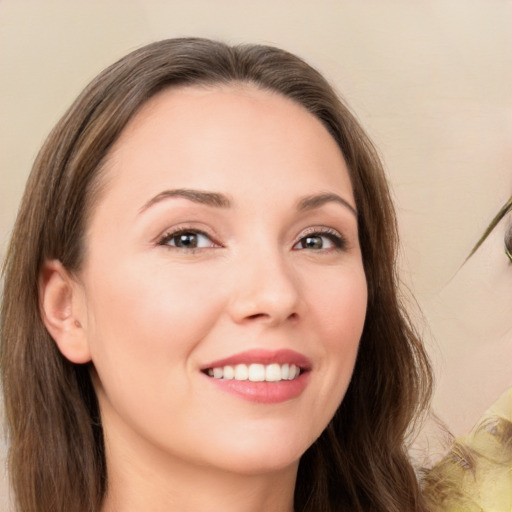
257,315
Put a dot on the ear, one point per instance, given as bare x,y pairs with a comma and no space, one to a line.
63,311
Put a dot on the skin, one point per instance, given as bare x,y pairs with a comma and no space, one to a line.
150,315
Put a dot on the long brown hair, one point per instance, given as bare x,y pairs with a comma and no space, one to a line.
56,457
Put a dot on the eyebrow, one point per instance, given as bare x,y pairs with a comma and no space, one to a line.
214,199
317,200
218,200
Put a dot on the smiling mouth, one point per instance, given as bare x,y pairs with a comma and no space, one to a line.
261,376
256,372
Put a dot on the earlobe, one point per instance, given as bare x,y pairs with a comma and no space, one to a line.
61,312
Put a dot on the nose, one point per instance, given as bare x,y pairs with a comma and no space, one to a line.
266,290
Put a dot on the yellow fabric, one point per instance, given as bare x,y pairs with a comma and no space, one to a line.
476,475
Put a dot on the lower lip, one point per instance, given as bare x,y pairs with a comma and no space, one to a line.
264,392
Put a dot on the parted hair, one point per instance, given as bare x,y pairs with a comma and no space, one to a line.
57,453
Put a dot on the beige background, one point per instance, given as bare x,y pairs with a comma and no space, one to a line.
431,82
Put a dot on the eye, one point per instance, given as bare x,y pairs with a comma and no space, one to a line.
187,239
321,240
508,243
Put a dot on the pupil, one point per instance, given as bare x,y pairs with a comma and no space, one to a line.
187,240
312,242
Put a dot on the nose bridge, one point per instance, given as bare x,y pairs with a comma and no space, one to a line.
266,287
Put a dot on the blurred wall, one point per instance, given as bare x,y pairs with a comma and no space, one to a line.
430,81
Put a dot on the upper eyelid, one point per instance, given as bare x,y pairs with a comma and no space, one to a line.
320,230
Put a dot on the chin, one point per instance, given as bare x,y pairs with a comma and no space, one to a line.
258,465
257,455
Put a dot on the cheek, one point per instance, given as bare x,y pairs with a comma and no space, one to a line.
340,307
148,313
339,313
144,324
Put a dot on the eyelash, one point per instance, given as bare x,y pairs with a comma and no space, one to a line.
334,236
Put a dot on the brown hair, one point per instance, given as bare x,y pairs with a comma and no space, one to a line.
56,457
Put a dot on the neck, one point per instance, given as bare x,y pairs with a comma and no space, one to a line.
145,480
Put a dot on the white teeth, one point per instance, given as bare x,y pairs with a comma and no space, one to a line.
229,372
256,372
273,373
241,372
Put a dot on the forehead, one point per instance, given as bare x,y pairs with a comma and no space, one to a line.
216,136
191,110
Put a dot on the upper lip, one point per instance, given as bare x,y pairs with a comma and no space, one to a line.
263,356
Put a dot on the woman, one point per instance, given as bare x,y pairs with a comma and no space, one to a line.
201,305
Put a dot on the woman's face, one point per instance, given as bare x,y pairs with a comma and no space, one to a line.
223,247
